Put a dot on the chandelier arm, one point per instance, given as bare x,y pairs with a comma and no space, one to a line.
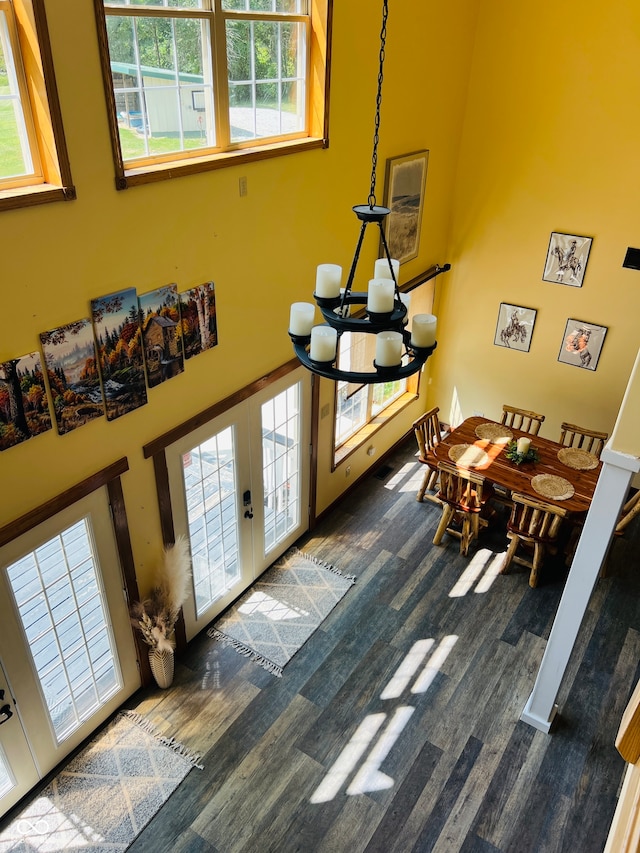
354,263
387,254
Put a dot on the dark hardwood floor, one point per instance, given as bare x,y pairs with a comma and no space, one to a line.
338,756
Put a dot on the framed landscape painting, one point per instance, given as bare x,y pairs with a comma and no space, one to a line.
515,327
404,196
161,333
582,344
198,319
567,258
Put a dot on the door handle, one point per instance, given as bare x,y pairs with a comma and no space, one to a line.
5,712
246,501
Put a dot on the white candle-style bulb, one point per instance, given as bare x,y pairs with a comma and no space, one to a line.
301,318
381,268
423,330
523,445
380,295
324,343
328,279
388,349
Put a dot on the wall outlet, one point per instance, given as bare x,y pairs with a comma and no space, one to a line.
371,451
242,186
478,414
347,471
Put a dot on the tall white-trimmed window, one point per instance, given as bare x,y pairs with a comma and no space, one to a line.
195,82
358,405
34,166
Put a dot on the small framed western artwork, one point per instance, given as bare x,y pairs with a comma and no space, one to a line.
405,183
582,344
515,327
567,258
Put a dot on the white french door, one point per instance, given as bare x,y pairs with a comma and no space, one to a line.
67,655
239,490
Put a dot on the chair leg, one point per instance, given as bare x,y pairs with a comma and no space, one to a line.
447,512
511,550
423,487
538,556
467,534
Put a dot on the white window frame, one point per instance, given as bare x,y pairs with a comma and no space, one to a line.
32,81
224,151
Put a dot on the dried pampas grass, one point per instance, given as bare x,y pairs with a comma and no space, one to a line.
156,616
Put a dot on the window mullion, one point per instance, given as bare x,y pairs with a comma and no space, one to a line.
220,77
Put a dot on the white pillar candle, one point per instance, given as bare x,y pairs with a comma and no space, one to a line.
523,445
380,295
381,268
301,318
388,349
324,343
328,278
423,330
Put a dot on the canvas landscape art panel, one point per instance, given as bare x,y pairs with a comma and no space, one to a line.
116,325
24,405
161,334
72,370
198,318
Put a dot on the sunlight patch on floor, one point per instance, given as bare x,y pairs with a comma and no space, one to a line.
369,777
273,609
484,567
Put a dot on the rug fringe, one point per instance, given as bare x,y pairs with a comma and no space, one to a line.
327,566
264,662
179,748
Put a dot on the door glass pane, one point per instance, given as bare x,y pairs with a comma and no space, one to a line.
281,459
61,604
6,779
209,472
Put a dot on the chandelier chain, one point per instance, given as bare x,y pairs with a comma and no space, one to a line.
376,133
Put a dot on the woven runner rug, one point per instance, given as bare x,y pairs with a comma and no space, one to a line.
106,795
280,611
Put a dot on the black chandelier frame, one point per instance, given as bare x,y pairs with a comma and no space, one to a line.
336,311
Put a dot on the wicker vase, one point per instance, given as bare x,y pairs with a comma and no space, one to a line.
161,663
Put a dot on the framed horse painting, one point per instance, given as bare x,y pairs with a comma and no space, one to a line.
581,344
515,327
567,258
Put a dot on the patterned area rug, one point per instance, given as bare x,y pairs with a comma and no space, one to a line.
278,614
106,795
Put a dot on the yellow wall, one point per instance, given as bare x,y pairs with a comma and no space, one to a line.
260,250
550,143
532,127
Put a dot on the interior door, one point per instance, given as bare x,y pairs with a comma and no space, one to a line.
66,647
239,489
18,772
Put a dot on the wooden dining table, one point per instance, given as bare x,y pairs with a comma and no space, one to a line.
499,470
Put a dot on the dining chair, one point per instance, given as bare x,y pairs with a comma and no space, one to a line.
522,419
629,511
533,523
464,496
582,438
428,432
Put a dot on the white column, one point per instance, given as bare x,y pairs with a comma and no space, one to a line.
608,499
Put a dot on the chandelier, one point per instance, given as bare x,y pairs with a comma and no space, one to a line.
381,310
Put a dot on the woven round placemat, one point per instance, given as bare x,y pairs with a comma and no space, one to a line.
550,486
496,433
581,460
468,455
